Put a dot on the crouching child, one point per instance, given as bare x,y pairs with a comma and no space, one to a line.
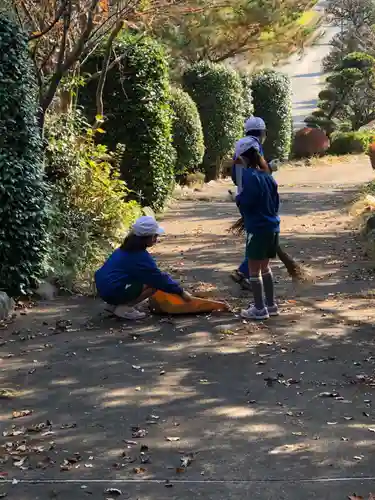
130,275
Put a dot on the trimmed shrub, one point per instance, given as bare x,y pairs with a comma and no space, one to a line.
272,98
309,141
187,133
137,114
343,143
23,192
247,95
218,93
89,212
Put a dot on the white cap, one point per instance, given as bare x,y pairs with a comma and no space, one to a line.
147,226
244,144
254,123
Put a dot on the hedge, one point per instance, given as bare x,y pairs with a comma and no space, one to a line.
137,114
343,143
23,192
272,98
218,93
187,132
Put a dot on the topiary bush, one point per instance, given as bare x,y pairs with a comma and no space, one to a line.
272,98
309,142
137,114
343,143
23,192
218,93
187,134
247,95
90,213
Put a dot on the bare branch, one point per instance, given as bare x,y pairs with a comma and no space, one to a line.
59,14
103,76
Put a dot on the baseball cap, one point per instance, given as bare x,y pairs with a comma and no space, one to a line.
254,123
147,226
244,144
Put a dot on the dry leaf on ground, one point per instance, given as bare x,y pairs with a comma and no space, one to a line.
21,413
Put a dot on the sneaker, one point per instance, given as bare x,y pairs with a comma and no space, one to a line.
254,313
126,312
237,276
109,308
273,310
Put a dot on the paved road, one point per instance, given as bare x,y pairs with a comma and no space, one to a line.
306,73
196,385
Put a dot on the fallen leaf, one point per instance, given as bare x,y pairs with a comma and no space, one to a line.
348,418
186,460
331,423
19,463
3,495
365,414
137,432
180,470
355,497
113,491
139,470
172,438
21,413
329,395
7,394
73,425
371,429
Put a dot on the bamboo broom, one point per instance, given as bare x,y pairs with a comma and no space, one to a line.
295,270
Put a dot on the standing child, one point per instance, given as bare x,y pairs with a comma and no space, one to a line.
131,275
259,205
255,134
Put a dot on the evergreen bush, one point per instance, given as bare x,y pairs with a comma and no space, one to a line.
187,133
23,192
272,98
138,115
218,94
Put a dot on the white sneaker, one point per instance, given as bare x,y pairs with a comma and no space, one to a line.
109,308
254,313
126,312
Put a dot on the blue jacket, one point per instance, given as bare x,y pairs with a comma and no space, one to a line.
125,268
259,202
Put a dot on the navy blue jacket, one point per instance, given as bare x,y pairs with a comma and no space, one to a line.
259,202
125,268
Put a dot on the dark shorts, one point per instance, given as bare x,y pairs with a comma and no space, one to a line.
128,294
262,246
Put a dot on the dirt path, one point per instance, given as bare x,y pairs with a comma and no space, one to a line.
195,387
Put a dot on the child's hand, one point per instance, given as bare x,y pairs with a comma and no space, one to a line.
187,296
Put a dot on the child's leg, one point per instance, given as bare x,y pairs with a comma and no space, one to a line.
147,292
256,282
268,285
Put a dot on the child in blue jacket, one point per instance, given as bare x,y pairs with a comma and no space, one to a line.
258,202
130,275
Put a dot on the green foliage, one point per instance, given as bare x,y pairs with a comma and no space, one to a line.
217,91
272,99
218,31
137,114
247,95
349,95
89,212
23,192
343,143
187,133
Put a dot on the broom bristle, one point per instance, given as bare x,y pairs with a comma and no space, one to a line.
296,271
